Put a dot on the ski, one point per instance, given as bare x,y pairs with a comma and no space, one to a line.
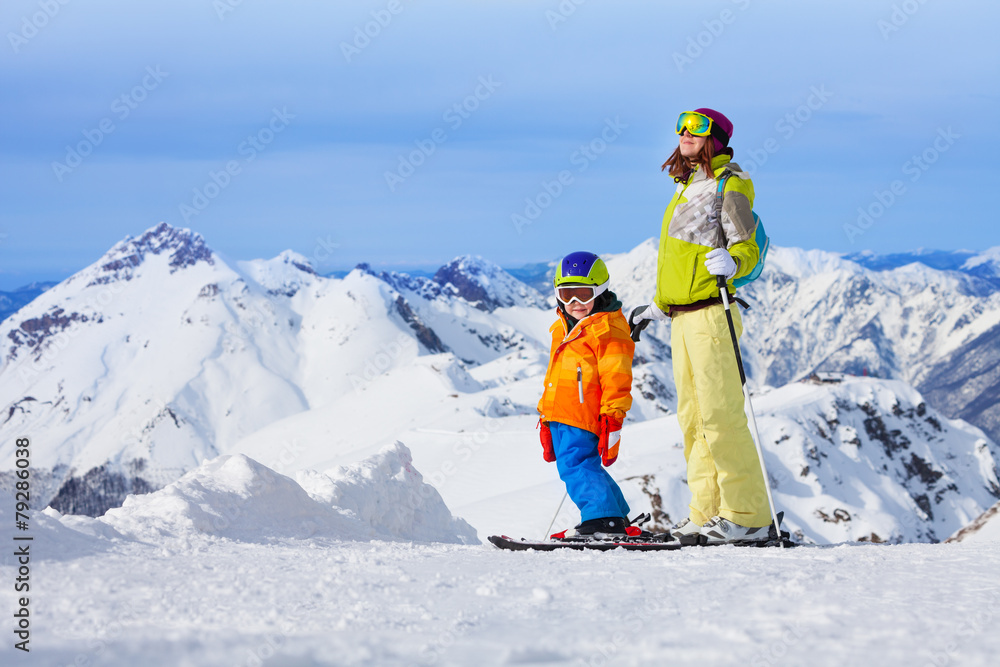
640,543
701,541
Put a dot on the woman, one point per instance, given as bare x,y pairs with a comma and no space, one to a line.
728,497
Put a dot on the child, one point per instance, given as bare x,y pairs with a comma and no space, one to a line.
587,392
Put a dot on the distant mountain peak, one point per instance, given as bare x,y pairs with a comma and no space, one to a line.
485,285
285,274
300,262
185,247
942,260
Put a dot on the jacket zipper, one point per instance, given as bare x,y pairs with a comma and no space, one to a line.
579,381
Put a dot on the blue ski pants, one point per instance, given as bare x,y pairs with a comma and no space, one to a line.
588,484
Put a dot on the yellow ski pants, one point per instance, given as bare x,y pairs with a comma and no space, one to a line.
723,470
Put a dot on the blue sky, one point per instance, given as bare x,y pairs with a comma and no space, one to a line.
267,125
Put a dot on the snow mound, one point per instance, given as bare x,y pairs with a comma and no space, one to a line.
235,497
387,493
50,538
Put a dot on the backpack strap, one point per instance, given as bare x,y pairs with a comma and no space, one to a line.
720,193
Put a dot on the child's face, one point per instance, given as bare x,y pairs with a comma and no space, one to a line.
578,311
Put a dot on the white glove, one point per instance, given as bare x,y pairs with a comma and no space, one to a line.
649,311
641,316
720,263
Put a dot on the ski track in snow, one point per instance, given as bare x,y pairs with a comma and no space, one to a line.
324,602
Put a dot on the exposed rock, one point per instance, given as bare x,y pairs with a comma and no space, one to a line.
100,489
424,334
186,248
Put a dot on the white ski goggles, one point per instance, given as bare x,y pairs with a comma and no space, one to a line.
582,294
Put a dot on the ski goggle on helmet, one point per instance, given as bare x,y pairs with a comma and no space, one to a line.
697,124
581,277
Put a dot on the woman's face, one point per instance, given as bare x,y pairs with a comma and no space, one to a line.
690,145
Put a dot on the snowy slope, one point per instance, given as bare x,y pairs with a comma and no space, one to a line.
986,528
392,604
870,460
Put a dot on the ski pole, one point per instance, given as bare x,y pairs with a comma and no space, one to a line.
553,522
748,406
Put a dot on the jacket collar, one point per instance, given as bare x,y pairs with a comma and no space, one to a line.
578,329
718,162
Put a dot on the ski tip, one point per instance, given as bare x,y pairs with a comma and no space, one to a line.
499,541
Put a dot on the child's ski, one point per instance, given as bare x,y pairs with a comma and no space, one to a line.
580,543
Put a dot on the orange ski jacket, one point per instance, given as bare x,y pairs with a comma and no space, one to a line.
590,371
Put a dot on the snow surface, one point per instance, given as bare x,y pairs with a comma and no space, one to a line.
235,565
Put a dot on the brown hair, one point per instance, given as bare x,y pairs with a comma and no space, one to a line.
681,167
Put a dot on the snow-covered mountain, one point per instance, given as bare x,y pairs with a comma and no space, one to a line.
984,265
164,354
937,330
945,260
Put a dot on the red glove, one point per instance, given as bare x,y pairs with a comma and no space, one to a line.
545,435
608,439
